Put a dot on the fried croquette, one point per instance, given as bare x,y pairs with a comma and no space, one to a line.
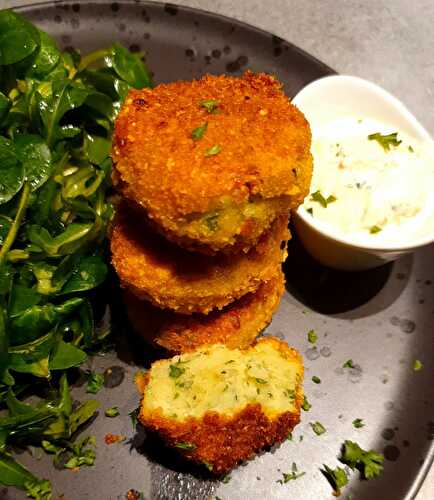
219,406
170,277
213,161
236,326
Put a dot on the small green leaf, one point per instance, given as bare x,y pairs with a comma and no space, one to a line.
210,105
66,355
175,371
358,423
318,428
11,170
417,365
336,477
199,132
312,337
95,382
348,364
375,229
316,379
112,412
186,446
306,406
213,150
385,141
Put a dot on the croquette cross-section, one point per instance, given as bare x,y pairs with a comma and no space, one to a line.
236,325
219,406
170,277
213,161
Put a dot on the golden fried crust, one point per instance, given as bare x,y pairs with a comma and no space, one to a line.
236,326
156,270
264,141
222,441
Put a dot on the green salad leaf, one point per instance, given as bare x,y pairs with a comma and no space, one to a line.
57,112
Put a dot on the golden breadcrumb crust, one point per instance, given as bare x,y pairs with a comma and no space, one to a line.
264,154
156,270
221,441
236,326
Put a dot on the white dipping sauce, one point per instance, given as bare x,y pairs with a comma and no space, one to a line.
375,195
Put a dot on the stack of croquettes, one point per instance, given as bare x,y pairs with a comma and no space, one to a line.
208,172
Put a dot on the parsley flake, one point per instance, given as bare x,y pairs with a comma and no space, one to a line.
348,364
185,446
336,477
291,476
410,149
318,428
199,132
175,371
316,380
213,150
417,365
112,412
319,198
210,105
358,423
306,406
310,211
385,141
312,337
368,463
94,382
261,381
375,229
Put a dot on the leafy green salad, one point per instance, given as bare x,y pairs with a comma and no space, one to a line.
56,118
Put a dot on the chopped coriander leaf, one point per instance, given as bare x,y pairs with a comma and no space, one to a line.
291,476
358,423
300,438
417,365
289,393
410,149
385,141
310,211
213,150
316,379
336,477
368,463
348,364
80,454
199,132
318,428
261,381
185,446
175,371
94,382
218,498
210,105
306,406
208,466
112,412
318,197
375,229
134,416
289,436
331,199
225,479
312,337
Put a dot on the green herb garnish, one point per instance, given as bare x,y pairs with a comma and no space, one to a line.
225,479
369,463
210,105
211,221
112,412
186,446
358,423
306,406
199,132
175,371
134,416
81,455
348,364
318,428
385,141
95,381
316,379
319,198
213,150
56,122
417,365
310,211
375,229
410,149
336,477
260,380
312,337
291,476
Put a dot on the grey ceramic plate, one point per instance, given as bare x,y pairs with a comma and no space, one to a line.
382,319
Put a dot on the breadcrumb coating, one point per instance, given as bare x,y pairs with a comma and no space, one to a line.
154,269
251,163
236,326
221,437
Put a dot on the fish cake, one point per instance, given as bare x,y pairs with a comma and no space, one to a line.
155,269
219,406
236,325
213,161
